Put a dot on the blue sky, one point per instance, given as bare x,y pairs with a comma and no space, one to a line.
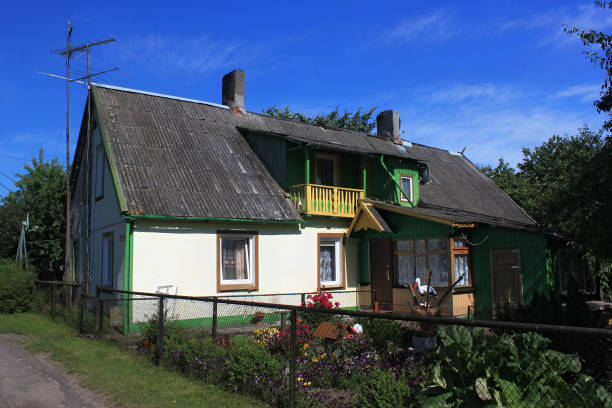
493,77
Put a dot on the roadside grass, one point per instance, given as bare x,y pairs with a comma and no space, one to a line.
122,377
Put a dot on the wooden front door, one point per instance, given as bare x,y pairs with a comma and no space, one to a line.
381,271
506,276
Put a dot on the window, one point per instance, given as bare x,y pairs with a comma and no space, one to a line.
326,169
237,258
461,261
99,172
414,258
406,183
107,259
331,261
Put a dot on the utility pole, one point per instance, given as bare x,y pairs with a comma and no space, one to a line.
70,52
67,255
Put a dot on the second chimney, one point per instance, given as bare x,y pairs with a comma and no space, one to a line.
232,92
388,126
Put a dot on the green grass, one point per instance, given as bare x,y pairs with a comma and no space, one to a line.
119,375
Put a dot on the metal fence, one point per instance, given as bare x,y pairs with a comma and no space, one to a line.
322,355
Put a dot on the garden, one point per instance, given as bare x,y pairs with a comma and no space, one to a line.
373,362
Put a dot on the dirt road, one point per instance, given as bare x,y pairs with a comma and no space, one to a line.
34,381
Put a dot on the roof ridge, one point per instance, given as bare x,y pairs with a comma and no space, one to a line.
178,98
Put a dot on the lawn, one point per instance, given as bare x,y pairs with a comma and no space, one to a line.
121,376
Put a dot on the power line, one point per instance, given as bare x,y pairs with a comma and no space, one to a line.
6,187
12,157
8,177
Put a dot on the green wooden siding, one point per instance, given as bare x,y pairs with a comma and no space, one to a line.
534,265
350,174
271,151
295,165
406,227
381,185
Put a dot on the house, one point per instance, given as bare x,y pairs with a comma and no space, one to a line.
211,199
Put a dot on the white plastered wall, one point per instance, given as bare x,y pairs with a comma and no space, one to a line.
183,256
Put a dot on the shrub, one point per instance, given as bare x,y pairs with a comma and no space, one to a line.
252,366
382,332
173,332
203,358
15,287
382,389
477,369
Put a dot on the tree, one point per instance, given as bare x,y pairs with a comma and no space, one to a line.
358,121
40,192
600,53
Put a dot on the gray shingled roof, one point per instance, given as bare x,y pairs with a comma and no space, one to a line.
177,157
457,186
186,159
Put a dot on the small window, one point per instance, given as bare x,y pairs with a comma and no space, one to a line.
331,261
461,262
237,263
406,183
99,172
107,259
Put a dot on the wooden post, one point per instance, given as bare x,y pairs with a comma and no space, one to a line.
53,301
307,198
335,203
283,322
213,331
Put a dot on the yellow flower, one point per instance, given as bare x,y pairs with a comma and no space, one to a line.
308,383
300,379
306,346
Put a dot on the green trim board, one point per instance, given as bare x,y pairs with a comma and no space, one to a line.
177,218
110,158
127,272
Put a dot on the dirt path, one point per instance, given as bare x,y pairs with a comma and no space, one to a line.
34,381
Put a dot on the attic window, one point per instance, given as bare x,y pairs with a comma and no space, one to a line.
99,172
407,186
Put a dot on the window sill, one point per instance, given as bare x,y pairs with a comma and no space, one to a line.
323,288
464,289
243,287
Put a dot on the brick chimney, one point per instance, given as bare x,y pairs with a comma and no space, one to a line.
232,93
388,126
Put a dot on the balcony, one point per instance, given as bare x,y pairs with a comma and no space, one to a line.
333,201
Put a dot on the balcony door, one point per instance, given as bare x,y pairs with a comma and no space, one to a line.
326,170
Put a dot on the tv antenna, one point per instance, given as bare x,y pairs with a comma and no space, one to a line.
71,52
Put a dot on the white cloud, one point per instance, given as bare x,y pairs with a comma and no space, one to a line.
491,127
585,92
463,92
192,55
584,16
435,26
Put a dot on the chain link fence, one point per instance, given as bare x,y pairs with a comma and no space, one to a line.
321,355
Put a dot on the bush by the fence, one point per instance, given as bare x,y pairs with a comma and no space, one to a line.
382,389
15,287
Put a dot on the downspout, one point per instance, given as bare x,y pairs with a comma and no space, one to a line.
382,162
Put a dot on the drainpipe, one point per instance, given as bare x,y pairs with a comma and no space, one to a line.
382,162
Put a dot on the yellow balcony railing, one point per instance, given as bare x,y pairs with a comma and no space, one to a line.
315,199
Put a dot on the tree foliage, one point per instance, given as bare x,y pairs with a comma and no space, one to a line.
599,53
40,192
360,121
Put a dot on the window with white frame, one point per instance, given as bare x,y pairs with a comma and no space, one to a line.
99,172
237,261
331,261
107,259
406,183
